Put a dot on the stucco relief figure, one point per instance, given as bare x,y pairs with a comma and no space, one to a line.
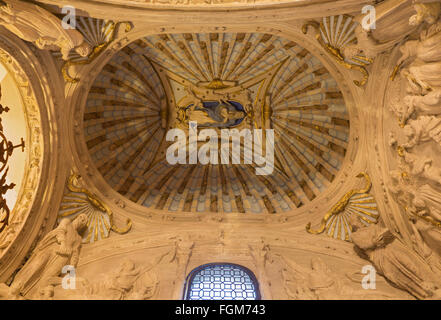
425,55
296,281
401,189
373,42
318,282
423,77
423,207
427,49
427,201
423,73
32,23
128,282
423,167
423,129
260,255
400,265
182,251
425,12
58,248
427,240
419,200
429,104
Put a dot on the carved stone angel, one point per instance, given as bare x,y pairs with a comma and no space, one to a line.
400,265
58,248
32,23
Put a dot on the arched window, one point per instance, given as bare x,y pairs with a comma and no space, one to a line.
221,281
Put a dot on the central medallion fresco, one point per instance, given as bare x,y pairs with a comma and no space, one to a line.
221,81
212,114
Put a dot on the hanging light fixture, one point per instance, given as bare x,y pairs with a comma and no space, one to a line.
6,150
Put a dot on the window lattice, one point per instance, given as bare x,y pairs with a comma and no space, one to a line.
222,282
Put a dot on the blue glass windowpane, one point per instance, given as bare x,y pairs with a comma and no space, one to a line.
222,282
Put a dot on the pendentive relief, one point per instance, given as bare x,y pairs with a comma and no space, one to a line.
414,100
79,200
357,208
336,34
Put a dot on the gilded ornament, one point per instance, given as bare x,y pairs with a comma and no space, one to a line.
100,222
336,222
333,34
110,34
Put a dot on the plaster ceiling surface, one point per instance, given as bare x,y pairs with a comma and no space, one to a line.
264,81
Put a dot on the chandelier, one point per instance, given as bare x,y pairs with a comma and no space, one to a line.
6,150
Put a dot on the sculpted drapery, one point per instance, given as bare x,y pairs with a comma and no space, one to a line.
32,23
59,248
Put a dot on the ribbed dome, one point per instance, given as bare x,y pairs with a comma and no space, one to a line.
147,86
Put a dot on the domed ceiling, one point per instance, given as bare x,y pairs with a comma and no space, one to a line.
162,82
